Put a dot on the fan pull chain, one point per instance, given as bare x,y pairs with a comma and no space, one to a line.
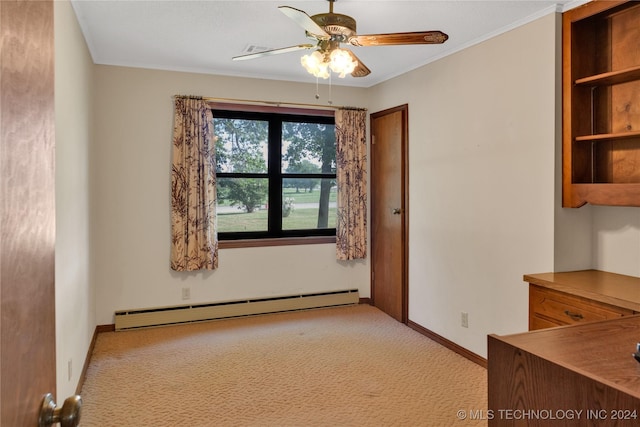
330,101
317,94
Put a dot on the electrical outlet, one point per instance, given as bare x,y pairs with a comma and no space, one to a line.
69,369
464,319
186,293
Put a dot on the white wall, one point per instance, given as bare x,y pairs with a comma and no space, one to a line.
131,211
616,240
75,303
482,141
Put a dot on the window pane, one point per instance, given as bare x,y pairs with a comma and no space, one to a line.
241,145
308,204
242,204
308,148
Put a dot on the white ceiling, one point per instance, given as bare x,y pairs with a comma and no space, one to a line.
203,36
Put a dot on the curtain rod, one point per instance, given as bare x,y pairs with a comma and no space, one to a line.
276,103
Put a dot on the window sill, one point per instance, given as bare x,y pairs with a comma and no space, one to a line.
287,241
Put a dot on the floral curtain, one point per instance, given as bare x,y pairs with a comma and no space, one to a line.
351,159
194,241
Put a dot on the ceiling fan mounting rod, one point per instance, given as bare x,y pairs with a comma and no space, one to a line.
339,27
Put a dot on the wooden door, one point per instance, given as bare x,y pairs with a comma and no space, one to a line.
27,216
389,225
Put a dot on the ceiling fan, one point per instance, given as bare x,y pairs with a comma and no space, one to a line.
330,30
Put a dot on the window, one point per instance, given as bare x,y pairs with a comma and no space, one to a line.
276,174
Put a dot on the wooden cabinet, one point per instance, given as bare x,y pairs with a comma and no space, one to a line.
558,299
549,308
601,104
580,375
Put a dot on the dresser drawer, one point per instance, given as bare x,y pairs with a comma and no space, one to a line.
548,308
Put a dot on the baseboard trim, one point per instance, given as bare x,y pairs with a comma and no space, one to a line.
87,360
448,344
365,301
106,328
188,313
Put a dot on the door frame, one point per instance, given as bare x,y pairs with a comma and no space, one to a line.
404,196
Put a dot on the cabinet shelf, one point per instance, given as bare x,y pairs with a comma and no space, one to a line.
609,136
611,78
605,194
601,104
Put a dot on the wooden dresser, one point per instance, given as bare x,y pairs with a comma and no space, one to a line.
557,299
580,375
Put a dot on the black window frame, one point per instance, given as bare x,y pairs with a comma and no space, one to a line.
275,175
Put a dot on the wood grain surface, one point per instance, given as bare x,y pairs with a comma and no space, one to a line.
27,230
585,368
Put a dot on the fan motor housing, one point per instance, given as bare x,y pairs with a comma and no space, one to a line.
341,26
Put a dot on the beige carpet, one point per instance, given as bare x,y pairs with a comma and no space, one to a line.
345,366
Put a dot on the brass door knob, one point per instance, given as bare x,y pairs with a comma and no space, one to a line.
68,415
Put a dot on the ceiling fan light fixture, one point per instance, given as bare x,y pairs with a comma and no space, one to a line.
341,62
319,63
316,64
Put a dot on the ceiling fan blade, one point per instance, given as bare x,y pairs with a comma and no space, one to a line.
418,37
305,21
361,70
273,52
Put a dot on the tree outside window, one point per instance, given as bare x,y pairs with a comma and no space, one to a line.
276,175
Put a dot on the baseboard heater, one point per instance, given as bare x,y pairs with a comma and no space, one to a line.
142,318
